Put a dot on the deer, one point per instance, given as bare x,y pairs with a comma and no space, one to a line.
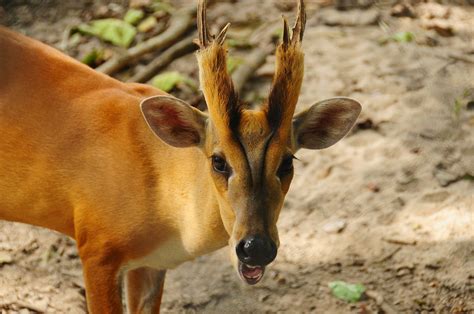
142,180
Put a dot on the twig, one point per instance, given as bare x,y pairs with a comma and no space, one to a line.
252,63
182,48
183,20
389,255
399,241
378,298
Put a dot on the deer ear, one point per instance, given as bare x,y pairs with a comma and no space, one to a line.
174,121
325,123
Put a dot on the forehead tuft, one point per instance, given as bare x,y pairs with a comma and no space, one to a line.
253,126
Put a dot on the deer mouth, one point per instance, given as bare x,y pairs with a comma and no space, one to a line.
251,274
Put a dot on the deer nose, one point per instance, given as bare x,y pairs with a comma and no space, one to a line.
256,250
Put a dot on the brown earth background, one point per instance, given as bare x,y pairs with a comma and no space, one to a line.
391,206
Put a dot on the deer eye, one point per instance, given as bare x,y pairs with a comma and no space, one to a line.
286,166
220,165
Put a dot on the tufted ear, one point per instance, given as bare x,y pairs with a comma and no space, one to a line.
325,123
174,121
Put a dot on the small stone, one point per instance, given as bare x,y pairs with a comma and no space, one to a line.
373,187
335,226
5,258
403,272
263,297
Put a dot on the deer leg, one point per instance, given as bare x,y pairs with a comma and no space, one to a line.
103,288
144,289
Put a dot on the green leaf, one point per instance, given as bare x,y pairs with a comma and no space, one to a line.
93,57
233,63
133,16
346,291
168,80
403,37
147,24
75,39
162,6
116,31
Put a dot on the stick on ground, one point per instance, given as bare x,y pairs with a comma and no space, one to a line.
252,62
180,49
180,23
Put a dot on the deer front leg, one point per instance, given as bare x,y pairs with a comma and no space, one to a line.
102,264
103,284
144,288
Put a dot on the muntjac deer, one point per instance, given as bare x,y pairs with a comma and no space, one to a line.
143,181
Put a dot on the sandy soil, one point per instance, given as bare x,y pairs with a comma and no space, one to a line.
401,185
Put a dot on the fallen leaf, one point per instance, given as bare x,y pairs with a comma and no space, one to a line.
158,6
116,31
403,37
147,24
346,291
139,3
93,58
168,80
133,16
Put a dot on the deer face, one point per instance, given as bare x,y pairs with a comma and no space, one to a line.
250,151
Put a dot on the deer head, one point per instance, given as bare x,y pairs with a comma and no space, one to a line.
251,151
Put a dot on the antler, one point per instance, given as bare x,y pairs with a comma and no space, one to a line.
204,37
288,73
298,28
216,83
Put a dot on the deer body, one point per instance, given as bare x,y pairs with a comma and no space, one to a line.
79,154
76,156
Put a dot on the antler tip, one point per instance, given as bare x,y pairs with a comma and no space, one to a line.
298,28
286,31
221,37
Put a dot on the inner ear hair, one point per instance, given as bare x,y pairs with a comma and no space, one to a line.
174,121
325,122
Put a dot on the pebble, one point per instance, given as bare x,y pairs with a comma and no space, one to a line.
5,258
335,226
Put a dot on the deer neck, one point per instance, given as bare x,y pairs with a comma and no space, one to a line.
186,201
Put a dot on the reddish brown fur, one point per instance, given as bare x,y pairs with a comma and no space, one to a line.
77,156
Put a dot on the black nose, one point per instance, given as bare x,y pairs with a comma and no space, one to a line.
256,250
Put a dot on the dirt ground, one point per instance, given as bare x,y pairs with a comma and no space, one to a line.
391,206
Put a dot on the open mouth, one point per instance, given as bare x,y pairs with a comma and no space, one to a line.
251,274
